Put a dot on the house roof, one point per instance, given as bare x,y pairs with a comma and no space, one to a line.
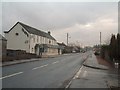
33,30
61,44
2,38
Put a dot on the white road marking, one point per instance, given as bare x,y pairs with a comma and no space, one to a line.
85,73
78,73
40,67
55,62
76,76
68,84
11,75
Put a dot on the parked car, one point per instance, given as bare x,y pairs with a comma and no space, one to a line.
97,53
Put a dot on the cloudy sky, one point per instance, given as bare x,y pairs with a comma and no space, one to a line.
82,20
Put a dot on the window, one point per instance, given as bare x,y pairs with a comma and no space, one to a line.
45,49
52,42
16,34
42,40
45,40
37,38
49,41
25,32
34,38
32,49
26,41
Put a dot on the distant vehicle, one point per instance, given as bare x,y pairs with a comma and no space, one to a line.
83,51
97,53
74,51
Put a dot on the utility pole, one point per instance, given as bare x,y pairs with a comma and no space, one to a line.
100,39
67,39
100,42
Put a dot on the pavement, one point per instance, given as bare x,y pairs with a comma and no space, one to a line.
94,75
93,63
7,63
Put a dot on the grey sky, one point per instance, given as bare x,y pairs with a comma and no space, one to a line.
83,21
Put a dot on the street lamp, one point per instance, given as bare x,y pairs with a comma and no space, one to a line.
68,38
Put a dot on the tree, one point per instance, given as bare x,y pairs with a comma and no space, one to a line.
107,41
113,44
104,49
118,46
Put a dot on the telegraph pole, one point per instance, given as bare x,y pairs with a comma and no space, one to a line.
67,39
100,39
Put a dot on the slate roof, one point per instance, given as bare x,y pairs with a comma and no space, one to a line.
48,46
61,44
33,30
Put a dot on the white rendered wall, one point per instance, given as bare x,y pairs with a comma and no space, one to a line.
17,42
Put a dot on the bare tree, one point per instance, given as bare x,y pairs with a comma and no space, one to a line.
107,41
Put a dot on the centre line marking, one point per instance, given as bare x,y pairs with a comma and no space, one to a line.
55,62
40,67
11,75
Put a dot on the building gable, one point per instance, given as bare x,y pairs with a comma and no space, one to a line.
11,28
17,38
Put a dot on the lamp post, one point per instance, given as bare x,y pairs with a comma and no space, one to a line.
100,43
68,39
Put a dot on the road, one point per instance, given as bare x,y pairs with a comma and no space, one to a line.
47,73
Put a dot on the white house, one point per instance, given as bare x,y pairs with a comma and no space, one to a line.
32,40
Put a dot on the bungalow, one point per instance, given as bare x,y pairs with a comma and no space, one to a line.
32,40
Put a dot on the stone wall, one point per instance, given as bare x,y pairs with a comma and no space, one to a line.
18,55
50,52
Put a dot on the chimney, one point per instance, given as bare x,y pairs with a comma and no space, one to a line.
49,32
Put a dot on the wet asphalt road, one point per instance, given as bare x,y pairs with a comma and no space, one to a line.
47,73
